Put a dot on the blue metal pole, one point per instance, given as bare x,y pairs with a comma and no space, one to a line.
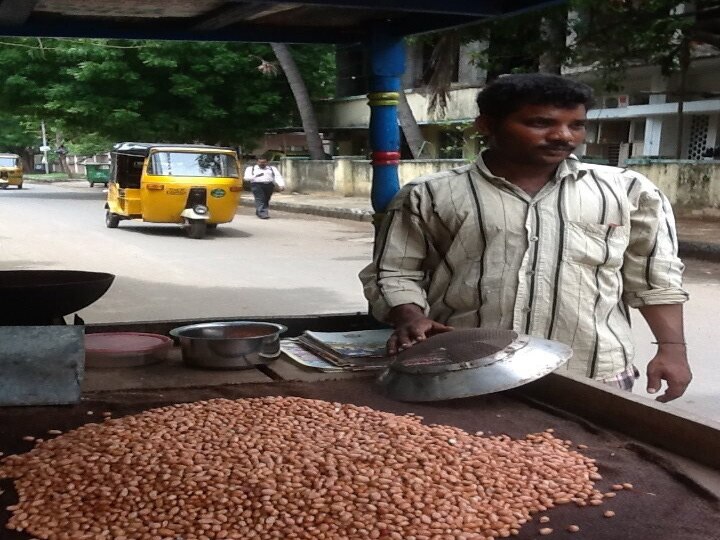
387,57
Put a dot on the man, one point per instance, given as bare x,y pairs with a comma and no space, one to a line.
528,238
263,180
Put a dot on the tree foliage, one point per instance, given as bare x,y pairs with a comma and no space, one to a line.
610,36
96,91
615,35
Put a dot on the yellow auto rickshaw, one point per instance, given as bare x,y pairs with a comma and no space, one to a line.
11,173
196,185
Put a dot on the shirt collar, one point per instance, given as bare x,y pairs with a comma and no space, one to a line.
569,168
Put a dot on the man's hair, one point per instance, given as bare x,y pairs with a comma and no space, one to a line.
508,93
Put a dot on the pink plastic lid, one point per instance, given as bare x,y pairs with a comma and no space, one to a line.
125,349
124,342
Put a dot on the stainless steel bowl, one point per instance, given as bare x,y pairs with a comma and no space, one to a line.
229,345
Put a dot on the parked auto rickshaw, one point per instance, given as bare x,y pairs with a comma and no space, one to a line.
196,185
11,173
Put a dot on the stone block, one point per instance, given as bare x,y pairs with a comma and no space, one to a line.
41,365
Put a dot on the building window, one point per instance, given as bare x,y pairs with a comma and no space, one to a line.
698,136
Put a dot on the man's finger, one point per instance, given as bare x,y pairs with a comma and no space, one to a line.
674,391
438,328
391,345
417,333
654,381
404,339
398,342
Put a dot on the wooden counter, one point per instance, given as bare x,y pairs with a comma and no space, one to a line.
669,502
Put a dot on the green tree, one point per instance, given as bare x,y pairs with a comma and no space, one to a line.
615,35
18,136
130,90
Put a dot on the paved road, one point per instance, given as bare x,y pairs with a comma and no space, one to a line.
287,265
291,264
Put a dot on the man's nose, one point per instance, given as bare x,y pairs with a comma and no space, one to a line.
562,133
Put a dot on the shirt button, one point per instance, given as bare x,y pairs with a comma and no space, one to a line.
533,238
526,310
530,272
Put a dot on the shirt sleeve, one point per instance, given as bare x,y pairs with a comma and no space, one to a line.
278,178
248,176
652,271
396,275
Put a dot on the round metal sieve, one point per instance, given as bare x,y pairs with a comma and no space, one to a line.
470,362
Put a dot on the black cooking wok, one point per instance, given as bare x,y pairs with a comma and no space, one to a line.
41,297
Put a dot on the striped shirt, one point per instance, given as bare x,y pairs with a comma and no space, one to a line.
474,250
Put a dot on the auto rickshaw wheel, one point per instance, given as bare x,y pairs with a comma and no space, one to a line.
20,186
212,226
197,228
111,220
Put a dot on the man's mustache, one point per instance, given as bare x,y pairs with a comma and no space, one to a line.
562,147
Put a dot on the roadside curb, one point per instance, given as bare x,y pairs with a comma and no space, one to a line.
705,251
58,181
355,214
699,250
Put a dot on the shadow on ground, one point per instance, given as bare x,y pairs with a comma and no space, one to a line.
133,300
27,193
177,230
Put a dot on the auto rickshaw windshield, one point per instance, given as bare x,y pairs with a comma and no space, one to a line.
193,164
8,162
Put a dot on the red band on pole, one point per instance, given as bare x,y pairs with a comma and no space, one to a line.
385,158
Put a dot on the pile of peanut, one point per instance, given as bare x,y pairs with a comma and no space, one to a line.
288,468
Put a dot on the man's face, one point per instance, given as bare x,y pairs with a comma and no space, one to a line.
262,163
536,134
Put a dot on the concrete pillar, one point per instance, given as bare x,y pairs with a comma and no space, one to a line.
713,137
286,169
654,128
342,175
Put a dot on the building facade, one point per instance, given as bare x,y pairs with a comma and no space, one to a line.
640,121
643,121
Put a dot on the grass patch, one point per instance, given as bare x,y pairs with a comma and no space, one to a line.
52,177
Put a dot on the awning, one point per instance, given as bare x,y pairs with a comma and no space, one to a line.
288,21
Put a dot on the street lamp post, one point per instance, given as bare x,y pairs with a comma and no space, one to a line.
44,147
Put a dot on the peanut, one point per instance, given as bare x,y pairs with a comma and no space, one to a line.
288,468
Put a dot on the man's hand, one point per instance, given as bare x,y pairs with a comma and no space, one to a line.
411,326
671,365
